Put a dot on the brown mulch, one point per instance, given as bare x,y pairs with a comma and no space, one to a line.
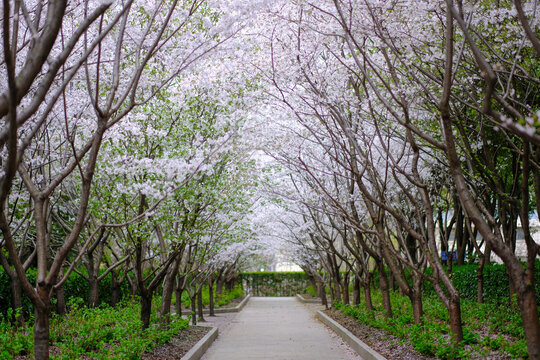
385,344
178,345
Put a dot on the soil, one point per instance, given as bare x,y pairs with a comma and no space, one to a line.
178,346
385,344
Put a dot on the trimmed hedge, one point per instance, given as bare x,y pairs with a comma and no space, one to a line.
276,283
75,287
496,287
464,277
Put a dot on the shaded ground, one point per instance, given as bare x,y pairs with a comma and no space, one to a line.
391,346
178,346
385,344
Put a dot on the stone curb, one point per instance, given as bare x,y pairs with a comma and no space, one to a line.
308,301
200,348
237,308
356,344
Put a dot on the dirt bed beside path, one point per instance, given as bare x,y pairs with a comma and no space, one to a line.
178,346
385,344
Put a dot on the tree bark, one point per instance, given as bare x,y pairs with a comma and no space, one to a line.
146,308
41,324
200,304
367,290
93,299
383,286
211,296
345,289
16,298
356,291
168,289
193,309
416,300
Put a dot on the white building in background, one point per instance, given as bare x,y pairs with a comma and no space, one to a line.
521,247
281,264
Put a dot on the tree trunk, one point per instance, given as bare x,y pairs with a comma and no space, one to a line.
345,289
168,289
383,286
356,291
219,286
193,309
454,310
367,291
200,304
16,298
146,308
93,299
115,288
322,293
41,333
178,290
529,315
416,300
61,301
480,278
211,296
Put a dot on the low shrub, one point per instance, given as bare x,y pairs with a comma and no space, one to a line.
433,337
102,333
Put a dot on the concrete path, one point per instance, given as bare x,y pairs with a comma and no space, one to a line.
277,328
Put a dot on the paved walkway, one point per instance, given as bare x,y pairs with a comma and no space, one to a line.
276,328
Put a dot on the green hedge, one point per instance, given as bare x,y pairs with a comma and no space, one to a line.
496,288
275,283
75,287
464,277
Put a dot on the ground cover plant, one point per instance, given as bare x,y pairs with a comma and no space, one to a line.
490,330
220,299
100,333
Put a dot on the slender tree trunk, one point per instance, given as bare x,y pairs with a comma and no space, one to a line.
211,296
454,310
115,288
194,309
16,298
61,301
356,291
345,289
383,286
322,293
200,304
416,300
219,286
41,326
146,308
367,291
529,315
480,278
168,289
93,300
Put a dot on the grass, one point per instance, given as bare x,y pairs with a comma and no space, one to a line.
486,327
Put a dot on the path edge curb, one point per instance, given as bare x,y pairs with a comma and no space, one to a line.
200,347
356,344
237,308
308,301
